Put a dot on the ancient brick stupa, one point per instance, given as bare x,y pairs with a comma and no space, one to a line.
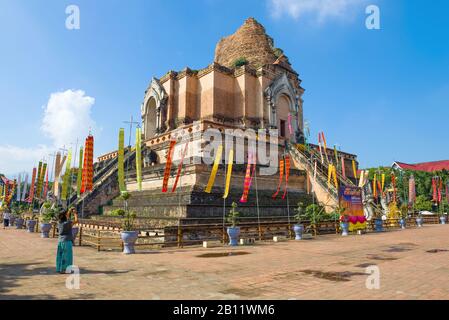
250,84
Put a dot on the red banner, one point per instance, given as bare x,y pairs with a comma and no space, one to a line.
281,177
168,166
88,165
287,174
178,174
33,179
248,179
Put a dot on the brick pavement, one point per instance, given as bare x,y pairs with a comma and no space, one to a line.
328,267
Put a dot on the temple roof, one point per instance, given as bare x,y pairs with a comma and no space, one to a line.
251,43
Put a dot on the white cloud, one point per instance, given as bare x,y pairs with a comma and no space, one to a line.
15,159
66,118
321,9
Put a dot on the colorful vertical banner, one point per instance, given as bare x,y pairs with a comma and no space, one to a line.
336,156
281,178
411,190
79,176
33,181
168,165
248,178
88,166
59,162
213,174
343,169
287,175
375,186
434,190
44,170
383,182
334,171
229,173
320,148
178,173
38,182
139,158
393,182
66,183
121,160
19,182
46,185
354,169
25,187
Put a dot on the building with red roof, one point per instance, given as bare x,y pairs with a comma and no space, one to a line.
424,166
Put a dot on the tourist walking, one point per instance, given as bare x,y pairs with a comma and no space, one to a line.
64,256
6,218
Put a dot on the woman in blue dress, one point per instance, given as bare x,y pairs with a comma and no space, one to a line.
64,256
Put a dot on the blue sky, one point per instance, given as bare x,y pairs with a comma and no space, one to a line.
382,94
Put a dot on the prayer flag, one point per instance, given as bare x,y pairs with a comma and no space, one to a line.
213,174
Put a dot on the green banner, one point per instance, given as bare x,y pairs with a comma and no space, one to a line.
66,183
38,181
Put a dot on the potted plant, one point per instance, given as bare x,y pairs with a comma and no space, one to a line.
403,213
31,223
129,234
298,228
233,231
47,214
315,214
19,219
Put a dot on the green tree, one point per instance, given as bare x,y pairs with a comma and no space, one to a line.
423,203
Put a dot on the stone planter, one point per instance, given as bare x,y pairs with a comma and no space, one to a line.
233,233
19,223
12,220
299,230
419,222
402,223
129,239
31,225
45,230
443,220
344,228
379,225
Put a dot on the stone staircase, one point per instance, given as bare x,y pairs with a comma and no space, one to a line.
105,187
327,195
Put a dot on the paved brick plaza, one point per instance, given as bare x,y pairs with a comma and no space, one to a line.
328,267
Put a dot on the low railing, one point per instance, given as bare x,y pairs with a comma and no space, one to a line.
106,236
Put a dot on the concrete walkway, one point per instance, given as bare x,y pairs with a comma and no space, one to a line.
413,264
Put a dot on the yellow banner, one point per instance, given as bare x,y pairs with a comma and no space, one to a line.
354,168
213,174
121,160
139,158
334,170
66,182
229,173
383,182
